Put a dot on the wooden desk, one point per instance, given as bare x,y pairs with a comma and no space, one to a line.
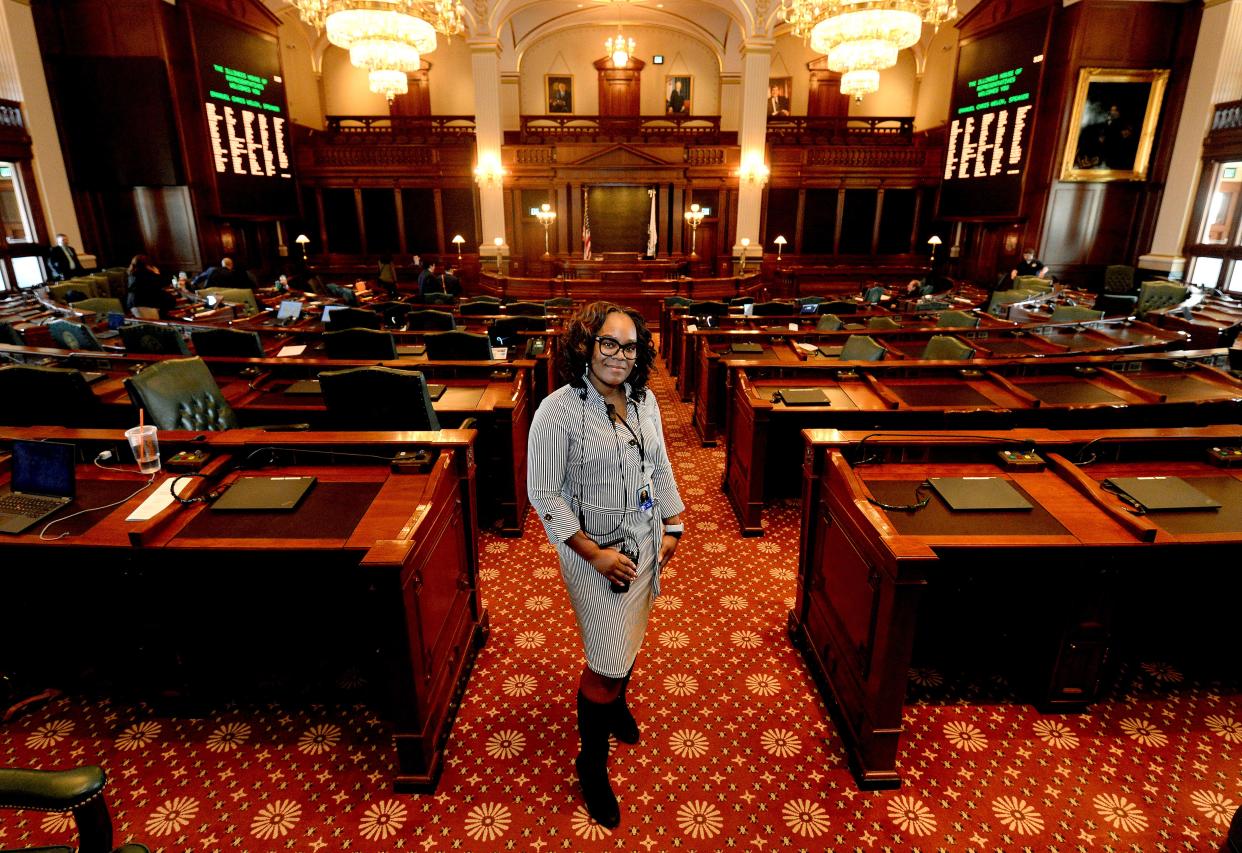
876,585
381,564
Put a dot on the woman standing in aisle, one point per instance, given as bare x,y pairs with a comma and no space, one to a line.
600,479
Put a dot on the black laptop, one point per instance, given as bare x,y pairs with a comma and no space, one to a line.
1156,494
804,396
746,348
978,494
42,483
264,494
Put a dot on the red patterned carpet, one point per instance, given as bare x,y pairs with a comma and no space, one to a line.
737,750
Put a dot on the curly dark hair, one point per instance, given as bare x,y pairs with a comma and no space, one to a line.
578,342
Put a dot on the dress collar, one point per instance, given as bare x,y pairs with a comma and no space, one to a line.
594,395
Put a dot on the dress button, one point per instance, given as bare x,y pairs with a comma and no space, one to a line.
547,516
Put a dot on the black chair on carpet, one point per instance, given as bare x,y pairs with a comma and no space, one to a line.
74,336
1233,840
79,791
150,339
382,398
49,396
352,318
459,346
430,321
234,343
360,344
524,309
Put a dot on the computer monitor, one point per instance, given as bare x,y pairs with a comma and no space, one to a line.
43,468
328,311
810,308
212,300
290,310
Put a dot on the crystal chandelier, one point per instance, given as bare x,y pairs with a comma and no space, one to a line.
386,37
863,37
621,49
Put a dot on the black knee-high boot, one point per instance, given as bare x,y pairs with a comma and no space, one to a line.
624,726
592,762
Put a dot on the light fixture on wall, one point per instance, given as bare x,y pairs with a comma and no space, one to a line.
863,37
619,47
387,38
694,218
753,171
489,173
546,216
741,269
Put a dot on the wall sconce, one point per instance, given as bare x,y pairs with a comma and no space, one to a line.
694,218
546,216
302,240
489,172
742,266
933,241
457,241
754,171
780,242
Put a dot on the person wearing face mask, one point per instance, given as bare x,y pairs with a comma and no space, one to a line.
1029,265
599,477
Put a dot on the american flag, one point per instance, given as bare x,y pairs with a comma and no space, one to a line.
586,226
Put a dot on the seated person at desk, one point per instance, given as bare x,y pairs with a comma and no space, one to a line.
146,288
1029,265
430,280
222,276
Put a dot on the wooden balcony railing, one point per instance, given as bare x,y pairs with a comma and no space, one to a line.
11,115
1227,116
540,130
397,130
841,130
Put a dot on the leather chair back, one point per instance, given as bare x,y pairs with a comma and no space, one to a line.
181,393
100,305
344,294
377,398
476,309
458,346
828,323
837,306
1115,304
236,296
682,301
946,348
772,309
360,344
1160,293
737,300
235,343
1032,282
73,336
567,302
435,321
50,396
524,309
494,300
1075,314
956,320
9,335
1118,278
808,300
707,309
439,299
1002,299
861,348
153,340
352,318
882,323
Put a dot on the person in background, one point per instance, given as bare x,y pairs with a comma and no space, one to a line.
222,276
600,480
430,280
1029,265
146,287
387,276
452,283
63,259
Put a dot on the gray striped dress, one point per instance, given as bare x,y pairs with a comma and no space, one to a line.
585,472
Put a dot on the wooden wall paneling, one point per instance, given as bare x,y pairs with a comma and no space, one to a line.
438,201
575,206
619,88
362,221
875,223
323,220
678,227
801,221
824,96
840,215
403,246
918,218
417,100
564,219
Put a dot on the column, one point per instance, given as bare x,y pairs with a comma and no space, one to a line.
752,139
488,140
1215,77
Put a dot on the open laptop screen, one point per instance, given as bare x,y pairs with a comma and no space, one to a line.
328,311
289,310
43,468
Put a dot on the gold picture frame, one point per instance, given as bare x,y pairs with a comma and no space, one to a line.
678,94
1114,126
558,91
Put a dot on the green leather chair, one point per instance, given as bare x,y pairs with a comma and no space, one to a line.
1159,293
1075,314
234,343
352,318
345,295
181,393
808,300
50,396
150,339
71,291
1000,300
874,323
435,321
1118,278
360,344
78,791
524,309
1115,304
956,320
828,323
946,348
459,346
494,300
236,296
567,302
737,300
102,305
873,295
72,335
1033,283
377,398
478,308
861,348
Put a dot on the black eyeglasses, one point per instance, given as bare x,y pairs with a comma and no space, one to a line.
611,346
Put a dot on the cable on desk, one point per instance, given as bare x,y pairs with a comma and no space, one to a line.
1136,508
273,450
921,500
43,532
1025,443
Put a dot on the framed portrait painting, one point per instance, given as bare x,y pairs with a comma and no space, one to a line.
778,97
1114,128
560,93
677,94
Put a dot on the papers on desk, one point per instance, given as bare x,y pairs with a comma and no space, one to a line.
291,350
158,500
806,347
690,327
500,353
793,327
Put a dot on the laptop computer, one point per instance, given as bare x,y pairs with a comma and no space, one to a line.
289,312
328,311
978,493
42,483
804,396
1161,493
809,308
749,348
264,494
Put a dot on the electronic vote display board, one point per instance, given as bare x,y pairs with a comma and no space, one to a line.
247,120
990,119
